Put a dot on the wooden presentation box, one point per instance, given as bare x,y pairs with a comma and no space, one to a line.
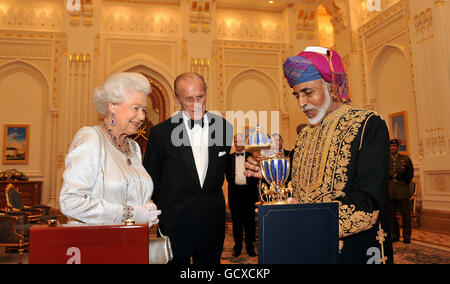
87,244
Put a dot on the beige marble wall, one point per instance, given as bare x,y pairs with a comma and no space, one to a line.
430,44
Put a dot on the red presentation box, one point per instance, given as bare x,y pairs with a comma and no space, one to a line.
87,244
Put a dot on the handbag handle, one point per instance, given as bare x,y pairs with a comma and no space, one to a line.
159,230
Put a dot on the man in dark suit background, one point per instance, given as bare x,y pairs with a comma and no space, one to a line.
242,195
186,157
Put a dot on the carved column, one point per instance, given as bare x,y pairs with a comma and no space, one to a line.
443,45
430,45
52,188
200,16
430,99
306,22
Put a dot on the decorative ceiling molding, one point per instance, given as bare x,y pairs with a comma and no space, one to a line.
29,19
306,22
200,16
85,13
148,2
247,30
250,8
276,7
140,25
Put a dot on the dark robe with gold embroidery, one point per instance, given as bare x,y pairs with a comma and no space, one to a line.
345,159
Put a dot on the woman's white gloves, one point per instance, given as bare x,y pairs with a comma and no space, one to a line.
147,213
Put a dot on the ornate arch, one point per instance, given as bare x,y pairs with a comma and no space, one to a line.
152,68
29,68
258,75
39,76
375,65
159,100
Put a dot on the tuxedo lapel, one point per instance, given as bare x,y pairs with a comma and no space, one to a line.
212,153
211,172
233,167
185,149
247,154
232,174
188,158
216,141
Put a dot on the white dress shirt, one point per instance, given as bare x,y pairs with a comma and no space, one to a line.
198,137
240,178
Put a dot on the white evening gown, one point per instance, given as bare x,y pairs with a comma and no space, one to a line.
98,182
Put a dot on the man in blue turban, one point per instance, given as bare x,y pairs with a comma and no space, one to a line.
342,156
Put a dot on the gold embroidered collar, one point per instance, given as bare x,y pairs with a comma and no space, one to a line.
319,171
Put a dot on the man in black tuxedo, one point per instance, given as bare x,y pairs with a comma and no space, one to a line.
186,157
242,195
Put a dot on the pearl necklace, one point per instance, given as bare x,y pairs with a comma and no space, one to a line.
127,151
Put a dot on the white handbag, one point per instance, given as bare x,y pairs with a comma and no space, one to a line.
159,250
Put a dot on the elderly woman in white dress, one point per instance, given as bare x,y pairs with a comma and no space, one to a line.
104,180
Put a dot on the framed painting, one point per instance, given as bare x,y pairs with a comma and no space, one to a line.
398,128
16,144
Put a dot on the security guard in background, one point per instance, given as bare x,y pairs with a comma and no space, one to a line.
401,172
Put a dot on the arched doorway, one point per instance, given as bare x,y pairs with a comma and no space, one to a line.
391,91
389,82
255,94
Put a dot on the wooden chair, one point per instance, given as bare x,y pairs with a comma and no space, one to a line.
414,214
14,234
35,214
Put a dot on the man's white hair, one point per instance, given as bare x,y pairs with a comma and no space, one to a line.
116,89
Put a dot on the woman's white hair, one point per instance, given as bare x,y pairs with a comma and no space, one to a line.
116,89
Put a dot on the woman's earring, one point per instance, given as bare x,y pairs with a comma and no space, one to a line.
113,120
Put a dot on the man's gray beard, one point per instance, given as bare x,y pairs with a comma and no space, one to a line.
322,111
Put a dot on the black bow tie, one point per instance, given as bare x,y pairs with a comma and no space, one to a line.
192,123
240,154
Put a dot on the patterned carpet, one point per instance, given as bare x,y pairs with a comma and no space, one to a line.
426,248
419,254
403,254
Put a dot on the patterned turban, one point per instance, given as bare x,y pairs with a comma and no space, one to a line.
315,63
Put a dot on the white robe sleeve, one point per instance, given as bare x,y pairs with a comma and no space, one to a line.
82,175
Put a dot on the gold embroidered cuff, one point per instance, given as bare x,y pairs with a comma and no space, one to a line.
352,221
